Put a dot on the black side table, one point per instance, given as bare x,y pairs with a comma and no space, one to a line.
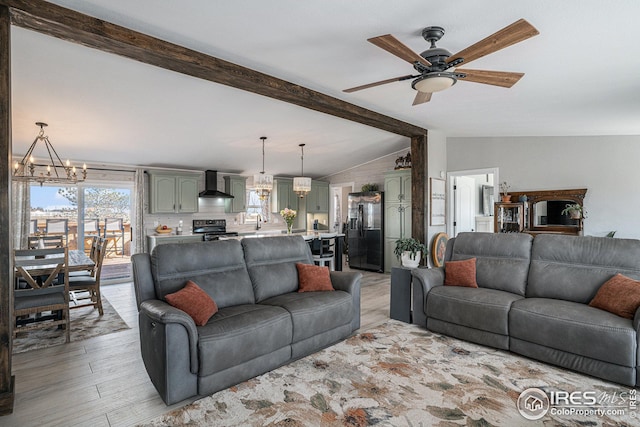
401,294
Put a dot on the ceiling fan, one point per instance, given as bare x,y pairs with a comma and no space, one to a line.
436,66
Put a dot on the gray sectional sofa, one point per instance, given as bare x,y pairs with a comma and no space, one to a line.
262,322
532,299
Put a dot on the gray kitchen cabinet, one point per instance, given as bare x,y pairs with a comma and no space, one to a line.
397,213
171,193
236,186
284,196
318,197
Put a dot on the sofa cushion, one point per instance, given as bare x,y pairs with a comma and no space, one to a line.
573,268
312,278
237,334
217,267
313,313
460,273
194,301
502,260
619,295
271,262
574,328
481,308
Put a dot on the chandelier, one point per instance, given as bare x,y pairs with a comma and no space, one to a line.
262,182
301,184
56,171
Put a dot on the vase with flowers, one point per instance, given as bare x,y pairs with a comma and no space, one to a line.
288,215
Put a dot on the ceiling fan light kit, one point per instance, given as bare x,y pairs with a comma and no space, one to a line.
436,65
434,82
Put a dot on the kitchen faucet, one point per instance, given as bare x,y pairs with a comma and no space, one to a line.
258,219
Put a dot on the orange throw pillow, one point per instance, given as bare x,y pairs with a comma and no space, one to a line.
619,295
195,302
460,273
313,278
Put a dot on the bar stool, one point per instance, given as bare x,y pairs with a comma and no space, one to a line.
322,250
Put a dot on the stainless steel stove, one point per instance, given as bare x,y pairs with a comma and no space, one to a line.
212,229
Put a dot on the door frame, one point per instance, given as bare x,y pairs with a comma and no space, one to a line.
332,189
451,199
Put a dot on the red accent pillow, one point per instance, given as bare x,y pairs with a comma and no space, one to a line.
313,278
460,273
195,302
619,295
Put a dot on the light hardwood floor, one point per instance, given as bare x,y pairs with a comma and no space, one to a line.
102,381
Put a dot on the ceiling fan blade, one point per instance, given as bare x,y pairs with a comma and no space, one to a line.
421,98
381,82
496,78
397,48
511,34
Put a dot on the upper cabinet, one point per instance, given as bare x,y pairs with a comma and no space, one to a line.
236,186
283,195
397,186
172,193
318,198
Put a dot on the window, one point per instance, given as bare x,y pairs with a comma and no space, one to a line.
256,207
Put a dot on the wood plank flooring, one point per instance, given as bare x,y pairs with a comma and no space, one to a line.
102,381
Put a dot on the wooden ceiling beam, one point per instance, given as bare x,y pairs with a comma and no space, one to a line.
69,25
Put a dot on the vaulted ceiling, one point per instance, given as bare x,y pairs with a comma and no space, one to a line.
581,78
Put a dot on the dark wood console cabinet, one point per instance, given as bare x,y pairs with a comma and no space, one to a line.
543,210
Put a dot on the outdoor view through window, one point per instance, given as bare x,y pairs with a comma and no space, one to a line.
78,213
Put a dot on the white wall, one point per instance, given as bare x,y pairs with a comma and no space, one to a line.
608,166
436,163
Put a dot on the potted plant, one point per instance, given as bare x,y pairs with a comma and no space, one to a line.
574,210
504,190
410,251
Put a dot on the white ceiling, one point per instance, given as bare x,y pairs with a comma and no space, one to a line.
582,78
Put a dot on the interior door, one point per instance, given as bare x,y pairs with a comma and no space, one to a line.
465,202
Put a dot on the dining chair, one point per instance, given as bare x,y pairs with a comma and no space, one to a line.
57,226
84,290
322,250
46,273
114,229
45,242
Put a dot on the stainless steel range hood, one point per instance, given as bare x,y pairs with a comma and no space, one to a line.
211,186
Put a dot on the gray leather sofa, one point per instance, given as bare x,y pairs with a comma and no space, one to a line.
532,299
262,322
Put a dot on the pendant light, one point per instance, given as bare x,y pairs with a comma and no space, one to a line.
55,170
262,182
301,184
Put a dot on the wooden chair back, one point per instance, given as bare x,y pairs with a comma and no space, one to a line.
47,242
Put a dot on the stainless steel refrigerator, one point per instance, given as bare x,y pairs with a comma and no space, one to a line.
365,225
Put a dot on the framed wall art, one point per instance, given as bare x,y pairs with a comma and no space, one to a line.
437,198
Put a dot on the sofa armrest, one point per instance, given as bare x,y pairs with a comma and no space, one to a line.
163,313
349,281
424,279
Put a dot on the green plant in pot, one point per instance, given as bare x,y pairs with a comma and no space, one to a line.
410,251
574,210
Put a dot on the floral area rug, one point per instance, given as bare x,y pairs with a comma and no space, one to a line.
85,323
401,375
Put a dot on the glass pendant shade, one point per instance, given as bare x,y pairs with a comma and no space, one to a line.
301,184
262,182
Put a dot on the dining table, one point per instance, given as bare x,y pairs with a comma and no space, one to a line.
78,261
